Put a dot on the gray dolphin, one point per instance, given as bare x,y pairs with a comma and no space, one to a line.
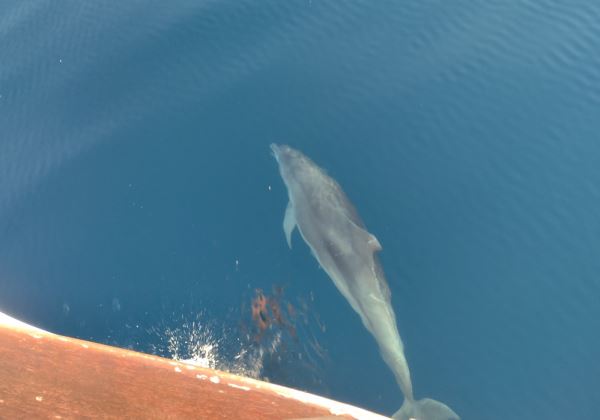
347,252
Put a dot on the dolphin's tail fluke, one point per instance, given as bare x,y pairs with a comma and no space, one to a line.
425,409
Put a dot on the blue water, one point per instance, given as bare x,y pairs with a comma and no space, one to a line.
138,196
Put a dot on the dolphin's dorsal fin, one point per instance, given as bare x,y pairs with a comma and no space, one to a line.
289,223
374,243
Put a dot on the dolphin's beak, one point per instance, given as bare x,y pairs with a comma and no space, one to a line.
275,150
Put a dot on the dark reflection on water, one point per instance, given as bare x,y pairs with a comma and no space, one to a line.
136,186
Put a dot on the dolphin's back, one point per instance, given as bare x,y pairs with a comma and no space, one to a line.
333,229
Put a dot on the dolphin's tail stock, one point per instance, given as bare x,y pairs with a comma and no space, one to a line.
425,409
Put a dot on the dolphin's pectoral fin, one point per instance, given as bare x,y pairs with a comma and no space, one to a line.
289,223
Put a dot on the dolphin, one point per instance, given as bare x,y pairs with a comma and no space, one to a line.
339,240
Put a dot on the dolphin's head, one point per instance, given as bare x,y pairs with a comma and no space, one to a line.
284,154
291,162
294,166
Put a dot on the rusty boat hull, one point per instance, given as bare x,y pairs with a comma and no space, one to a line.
46,375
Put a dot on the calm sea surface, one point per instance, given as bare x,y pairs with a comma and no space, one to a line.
140,205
